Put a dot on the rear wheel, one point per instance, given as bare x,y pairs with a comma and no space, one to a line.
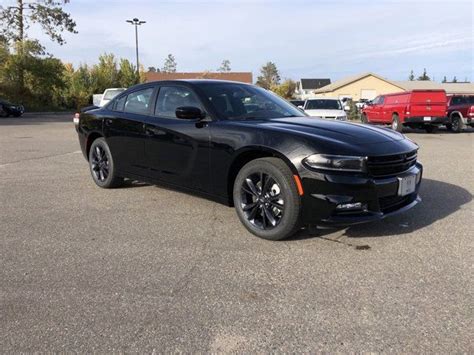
102,165
266,199
396,125
456,124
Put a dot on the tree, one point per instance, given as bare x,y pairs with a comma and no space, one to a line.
225,66
455,80
127,74
170,64
105,74
424,76
270,77
285,89
15,21
152,69
411,77
444,80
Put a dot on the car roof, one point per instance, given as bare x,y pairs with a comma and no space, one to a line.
199,81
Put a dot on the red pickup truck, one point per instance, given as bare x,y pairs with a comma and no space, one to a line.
417,109
460,112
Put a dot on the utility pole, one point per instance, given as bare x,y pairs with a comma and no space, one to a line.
136,22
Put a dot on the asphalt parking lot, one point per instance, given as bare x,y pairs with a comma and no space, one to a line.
144,268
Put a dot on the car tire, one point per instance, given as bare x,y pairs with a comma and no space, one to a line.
266,199
102,165
364,118
396,125
431,129
449,126
457,124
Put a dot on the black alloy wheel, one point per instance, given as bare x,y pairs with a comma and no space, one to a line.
266,199
102,165
262,201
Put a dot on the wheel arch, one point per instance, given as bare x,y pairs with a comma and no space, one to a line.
456,113
90,139
246,155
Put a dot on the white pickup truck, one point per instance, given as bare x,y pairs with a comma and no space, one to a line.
102,99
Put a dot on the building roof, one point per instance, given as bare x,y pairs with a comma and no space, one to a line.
244,77
450,88
350,79
311,84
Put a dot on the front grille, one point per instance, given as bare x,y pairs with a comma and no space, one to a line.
391,164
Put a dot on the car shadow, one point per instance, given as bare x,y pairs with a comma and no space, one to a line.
439,200
33,120
441,130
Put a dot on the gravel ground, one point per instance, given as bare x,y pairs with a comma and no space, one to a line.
144,268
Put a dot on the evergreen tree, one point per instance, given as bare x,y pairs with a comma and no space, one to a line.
270,77
170,64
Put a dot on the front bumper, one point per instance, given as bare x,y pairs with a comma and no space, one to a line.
379,197
427,120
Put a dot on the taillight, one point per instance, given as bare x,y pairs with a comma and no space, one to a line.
76,118
471,111
407,110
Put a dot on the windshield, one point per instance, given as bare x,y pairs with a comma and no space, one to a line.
110,94
235,101
5,102
323,104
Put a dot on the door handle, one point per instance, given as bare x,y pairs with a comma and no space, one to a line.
152,131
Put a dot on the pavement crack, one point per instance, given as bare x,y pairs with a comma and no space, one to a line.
39,158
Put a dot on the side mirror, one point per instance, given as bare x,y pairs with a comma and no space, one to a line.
189,113
300,107
347,108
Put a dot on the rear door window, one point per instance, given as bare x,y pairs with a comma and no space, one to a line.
139,101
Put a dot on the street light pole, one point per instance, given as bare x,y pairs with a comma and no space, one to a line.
136,22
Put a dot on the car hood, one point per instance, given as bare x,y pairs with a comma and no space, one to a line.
325,113
344,132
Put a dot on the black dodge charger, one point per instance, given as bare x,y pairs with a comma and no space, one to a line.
245,147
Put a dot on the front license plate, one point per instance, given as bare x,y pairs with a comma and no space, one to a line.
406,185
427,118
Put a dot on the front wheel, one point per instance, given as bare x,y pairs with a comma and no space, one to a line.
456,124
266,199
396,125
102,165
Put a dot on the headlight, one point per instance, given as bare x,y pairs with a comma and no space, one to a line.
336,162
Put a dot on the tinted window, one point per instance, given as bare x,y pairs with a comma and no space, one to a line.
323,104
236,101
139,101
457,100
172,97
119,104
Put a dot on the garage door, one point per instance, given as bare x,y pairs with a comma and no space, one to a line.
368,94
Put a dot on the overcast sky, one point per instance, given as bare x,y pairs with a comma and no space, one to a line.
304,38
